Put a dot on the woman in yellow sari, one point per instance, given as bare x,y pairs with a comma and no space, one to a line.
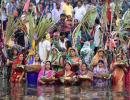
100,55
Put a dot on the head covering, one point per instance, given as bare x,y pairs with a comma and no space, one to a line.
86,47
101,61
68,62
74,50
101,50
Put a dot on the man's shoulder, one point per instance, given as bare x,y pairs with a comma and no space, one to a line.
46,42
75,8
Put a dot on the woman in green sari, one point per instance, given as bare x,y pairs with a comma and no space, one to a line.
74,59
56,59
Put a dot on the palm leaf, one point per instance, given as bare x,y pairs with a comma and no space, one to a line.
43,27
31,27
11,26
89,17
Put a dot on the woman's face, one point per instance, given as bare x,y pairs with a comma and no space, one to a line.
76,22
67,67
83,67
101,53
48,66
72,53
37,57
15,52
54,51
101,64
21,57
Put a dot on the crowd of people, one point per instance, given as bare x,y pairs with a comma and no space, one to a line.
96,55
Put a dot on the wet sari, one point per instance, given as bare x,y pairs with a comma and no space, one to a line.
118,79
32,72
85,77
17,73
46,76
100,82
64,78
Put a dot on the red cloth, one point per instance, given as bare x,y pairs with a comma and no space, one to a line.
92,31
16,74
62,73
26,6
127,78
109,14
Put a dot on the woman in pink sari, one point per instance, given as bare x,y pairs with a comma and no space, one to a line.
46,74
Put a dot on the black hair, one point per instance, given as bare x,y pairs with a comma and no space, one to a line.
97,21
44,36
50,64
62,33
62,15
85,65
38,56
80,1
101,61
68,44
69,64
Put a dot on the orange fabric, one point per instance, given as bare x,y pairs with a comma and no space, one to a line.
118,79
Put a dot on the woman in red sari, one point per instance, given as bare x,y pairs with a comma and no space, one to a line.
18,69
118,69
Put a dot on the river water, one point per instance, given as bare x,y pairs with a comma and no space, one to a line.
9,91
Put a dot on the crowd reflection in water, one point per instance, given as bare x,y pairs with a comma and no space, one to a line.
19,92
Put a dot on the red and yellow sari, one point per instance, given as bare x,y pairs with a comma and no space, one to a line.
17,73
118,80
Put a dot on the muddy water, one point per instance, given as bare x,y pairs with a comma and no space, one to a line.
22,92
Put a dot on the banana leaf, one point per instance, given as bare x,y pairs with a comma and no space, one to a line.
12,25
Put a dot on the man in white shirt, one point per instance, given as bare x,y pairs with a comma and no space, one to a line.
97,35
80,11
44,49
56,12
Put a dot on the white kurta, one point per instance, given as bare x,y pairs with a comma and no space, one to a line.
97,36
44,47
79,12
